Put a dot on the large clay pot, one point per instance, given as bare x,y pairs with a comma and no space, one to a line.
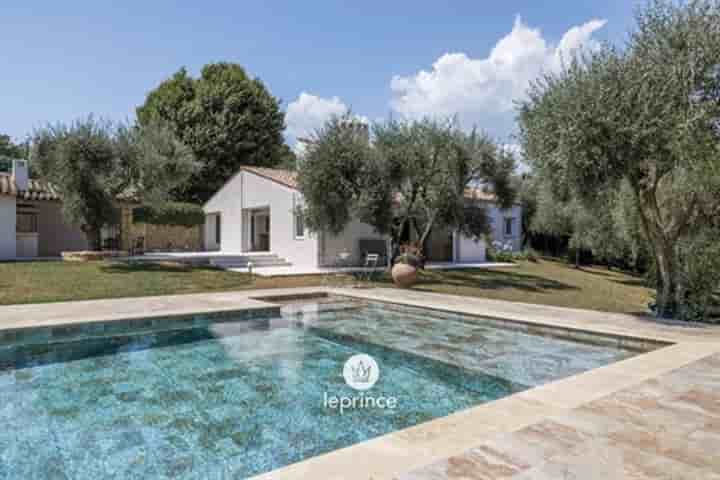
404,275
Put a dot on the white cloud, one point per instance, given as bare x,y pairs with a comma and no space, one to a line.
309,112
482,91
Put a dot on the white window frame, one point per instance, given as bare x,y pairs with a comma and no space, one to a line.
511,223
299,215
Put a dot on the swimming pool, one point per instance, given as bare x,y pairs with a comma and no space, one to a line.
236,398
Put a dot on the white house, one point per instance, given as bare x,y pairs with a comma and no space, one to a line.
258,210
31,223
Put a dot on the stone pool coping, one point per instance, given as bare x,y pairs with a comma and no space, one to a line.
394,454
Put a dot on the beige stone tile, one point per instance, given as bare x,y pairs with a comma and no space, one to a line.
699,452
481,463
603,461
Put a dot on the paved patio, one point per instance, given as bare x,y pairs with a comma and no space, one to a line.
663,428
656,415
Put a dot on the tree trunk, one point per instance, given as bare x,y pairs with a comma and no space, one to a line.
661,242
93,238
667,280
577,258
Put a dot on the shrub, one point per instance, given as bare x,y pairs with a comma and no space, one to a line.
500,252
174,213
699,282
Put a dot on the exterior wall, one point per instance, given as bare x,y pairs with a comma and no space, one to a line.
248,191
469,249
169,237
227,202
497,217
55,236
8,220
347,241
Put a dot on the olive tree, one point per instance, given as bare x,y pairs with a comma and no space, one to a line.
413,175
646,116
94,163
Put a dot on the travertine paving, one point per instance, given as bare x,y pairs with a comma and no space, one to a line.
664,428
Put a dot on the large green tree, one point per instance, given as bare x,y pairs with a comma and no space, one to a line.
647,117
413,175
226,117
95,163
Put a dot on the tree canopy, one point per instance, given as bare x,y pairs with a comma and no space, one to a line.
645,118
8,151
226,117
96,163
412,175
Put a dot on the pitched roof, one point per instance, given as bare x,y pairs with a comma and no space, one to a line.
37,189
287,178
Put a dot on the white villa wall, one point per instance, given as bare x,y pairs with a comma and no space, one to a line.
249,191
469,250
497,217
260,192
348,240
228,203
8,246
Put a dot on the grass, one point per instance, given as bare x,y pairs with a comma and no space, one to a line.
42,282
546,282
543,282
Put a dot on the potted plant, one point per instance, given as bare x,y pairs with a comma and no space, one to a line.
405,269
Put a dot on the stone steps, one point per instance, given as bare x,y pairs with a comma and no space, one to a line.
242,261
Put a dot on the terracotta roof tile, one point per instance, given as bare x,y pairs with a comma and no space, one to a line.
284,177
289,179
37,189
479,194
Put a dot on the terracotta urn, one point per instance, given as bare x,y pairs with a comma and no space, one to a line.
404,275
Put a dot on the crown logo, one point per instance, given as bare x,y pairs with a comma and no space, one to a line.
361,372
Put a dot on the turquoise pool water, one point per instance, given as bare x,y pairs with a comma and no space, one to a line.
238,398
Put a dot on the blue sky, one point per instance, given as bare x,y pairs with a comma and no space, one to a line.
63,60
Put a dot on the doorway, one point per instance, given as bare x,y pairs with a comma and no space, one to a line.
260,230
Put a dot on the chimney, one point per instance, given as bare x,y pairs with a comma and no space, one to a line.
20,174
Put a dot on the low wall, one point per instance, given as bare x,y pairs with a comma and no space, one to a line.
168,237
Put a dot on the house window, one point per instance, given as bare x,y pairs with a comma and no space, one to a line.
217,229
509,227
299,225
27,223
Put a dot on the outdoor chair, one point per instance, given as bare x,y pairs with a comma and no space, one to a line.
372,262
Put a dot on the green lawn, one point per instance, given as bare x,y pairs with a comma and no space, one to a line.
543,282
546,282
39,282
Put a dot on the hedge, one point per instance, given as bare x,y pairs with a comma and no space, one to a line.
180,214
